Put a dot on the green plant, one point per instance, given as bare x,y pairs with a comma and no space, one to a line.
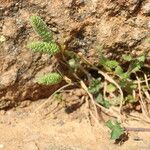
114,85
48,45
104,102
95,86
123,75
50,79
41,28
116,129
44,47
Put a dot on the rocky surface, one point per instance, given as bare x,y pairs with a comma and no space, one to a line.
119,26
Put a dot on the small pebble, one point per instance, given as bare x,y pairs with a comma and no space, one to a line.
61,122
54,29
2,112
137,139
1,146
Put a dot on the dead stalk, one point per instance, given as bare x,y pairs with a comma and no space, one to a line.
141,100
43,104
91,97
106,76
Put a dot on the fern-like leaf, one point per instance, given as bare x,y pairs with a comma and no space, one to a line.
44,47
41,28
108,64
50,79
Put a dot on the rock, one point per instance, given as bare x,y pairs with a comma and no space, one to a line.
42,3
146,8
9,28
8,78
120,26
6,3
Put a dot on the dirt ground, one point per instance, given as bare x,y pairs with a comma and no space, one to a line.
23,128
120,26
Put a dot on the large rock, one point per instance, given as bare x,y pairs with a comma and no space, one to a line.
119,26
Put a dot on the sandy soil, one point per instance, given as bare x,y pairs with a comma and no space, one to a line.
25,129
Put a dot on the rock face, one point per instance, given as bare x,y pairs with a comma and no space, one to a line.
120,26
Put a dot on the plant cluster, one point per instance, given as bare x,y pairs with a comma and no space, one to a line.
116,84
48,45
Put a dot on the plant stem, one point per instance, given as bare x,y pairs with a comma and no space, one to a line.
137,129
